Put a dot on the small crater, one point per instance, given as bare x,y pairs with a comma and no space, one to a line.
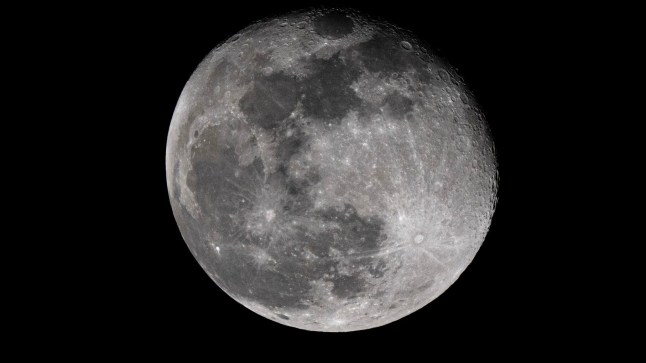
419,238
425,57
284,317
474,164
406,45
234,38
270,215
196,133
444,75
462,144
283,24
301,25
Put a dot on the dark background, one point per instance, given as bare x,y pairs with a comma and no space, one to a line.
148,289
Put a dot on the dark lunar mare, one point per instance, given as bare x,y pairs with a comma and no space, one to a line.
227,191
333,25
287,283
271,99
325,94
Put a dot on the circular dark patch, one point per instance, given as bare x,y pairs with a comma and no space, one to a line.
333,25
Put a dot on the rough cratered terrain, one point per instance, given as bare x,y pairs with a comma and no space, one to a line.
330,172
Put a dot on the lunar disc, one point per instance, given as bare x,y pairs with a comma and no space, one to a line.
330,171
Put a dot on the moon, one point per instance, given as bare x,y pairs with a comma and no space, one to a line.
330,171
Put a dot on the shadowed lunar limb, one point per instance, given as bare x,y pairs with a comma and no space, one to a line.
329,171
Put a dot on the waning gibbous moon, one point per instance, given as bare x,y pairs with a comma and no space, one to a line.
330,171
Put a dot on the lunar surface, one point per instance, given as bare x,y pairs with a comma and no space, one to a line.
329,171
